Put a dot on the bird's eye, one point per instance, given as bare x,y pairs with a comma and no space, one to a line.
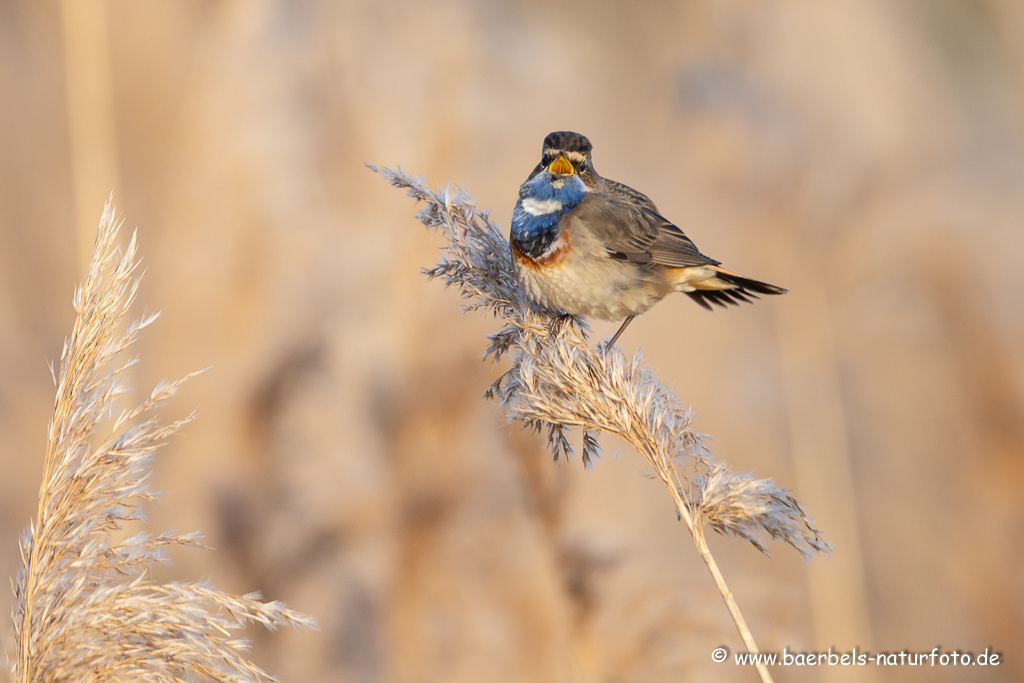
581,167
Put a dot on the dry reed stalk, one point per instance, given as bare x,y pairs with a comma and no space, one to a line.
557,382
84,610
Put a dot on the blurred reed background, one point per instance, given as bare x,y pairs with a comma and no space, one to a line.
865,154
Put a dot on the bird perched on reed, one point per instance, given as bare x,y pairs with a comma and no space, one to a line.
587,245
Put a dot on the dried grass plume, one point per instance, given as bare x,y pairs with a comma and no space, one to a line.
85,611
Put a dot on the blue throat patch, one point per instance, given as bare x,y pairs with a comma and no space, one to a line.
534,234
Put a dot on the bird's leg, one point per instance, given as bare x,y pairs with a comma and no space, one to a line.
622,328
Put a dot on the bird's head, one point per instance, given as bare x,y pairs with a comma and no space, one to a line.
566,153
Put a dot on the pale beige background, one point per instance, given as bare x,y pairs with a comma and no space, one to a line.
867,154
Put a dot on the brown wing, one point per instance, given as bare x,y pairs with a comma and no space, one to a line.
630,228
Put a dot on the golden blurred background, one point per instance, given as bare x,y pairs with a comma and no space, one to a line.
866,154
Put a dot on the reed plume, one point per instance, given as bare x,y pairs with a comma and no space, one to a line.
85,610
558,382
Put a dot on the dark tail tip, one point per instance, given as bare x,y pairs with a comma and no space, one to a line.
744,290
749,285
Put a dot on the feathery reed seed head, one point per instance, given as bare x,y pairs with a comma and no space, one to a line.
85,611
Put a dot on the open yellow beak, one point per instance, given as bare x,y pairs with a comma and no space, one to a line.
560,166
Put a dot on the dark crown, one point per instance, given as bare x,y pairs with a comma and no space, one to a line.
567,141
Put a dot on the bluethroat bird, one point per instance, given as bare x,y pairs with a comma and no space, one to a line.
587,245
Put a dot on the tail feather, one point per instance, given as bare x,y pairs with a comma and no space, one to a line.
729,289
